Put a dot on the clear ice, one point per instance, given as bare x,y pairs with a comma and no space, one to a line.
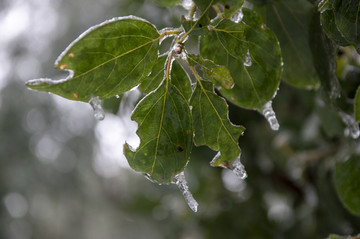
248,61
95,103
180,181
352,127
237,17
270,116
238,168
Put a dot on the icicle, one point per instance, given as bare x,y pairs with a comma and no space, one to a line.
180,181
269,114
352,127
248,61
238,168
95,103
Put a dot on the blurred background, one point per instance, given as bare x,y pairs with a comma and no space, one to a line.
63,175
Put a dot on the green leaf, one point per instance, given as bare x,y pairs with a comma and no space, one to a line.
178,78
347,17
231,7
212,125
106,60
357,105
252,54
347,183
195,27
220,75
167,3
324,59
165,131
327,19
156,76
290,20
198,27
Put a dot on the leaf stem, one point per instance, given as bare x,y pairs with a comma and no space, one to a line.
170,32
168,67
218,11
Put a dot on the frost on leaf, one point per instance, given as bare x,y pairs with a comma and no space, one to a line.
106,60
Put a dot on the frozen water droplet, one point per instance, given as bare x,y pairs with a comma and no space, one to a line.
187,4
237,17
352,127
180,181
269,114
238,168
95,103
248,61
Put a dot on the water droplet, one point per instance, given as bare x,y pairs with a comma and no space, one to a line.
237,17
352,127
248,61
95,103
180,181
270,116
238,168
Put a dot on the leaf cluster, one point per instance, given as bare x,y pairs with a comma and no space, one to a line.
245,50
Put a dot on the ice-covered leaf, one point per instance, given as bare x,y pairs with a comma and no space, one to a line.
220,75
357,105
231,7
197,26
347,183
156,76
165,131
106,60
252,54
290,20
167,3
212,126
